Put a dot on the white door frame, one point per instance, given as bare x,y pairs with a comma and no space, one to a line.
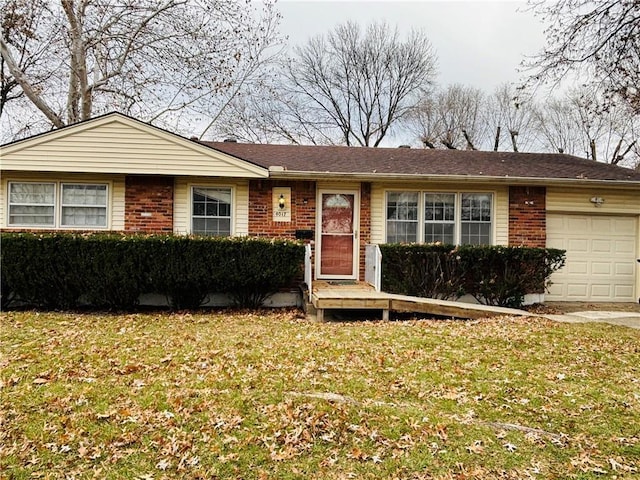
356,234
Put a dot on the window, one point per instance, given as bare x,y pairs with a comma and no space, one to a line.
475,220
211,211
453,218
402,217
33,204
84,205
439,217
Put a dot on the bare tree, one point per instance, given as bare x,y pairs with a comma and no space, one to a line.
570,125
452,118
156,60
511,117
599,40
356,85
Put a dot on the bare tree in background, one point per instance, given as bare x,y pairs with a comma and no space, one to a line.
452,118
596,40
362,82
570,124
156,60
511,120
350,86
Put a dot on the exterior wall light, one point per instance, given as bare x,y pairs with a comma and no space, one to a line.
597,201
281,202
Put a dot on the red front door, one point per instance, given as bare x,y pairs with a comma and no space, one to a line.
338,253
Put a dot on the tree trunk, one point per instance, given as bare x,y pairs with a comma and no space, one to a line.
27,88
514,134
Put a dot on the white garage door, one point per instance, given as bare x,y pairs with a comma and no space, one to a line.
601,257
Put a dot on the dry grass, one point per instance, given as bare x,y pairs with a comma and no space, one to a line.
270,395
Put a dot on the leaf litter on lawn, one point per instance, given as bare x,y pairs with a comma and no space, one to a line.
266,394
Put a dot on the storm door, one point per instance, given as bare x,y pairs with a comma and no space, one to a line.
338,249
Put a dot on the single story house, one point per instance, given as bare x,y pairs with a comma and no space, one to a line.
116,173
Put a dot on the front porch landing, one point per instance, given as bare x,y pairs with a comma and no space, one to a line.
338,295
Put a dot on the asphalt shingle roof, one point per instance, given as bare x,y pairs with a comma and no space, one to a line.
424,162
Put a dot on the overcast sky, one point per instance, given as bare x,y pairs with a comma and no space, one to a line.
478,43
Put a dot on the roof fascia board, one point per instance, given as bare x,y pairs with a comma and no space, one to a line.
531,181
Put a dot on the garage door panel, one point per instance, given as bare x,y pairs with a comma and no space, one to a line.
625,246
601,268
601,246
575,223
577,268
623,291
578,245
600,292
577,290
602,224
601,257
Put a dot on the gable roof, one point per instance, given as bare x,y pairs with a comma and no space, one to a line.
400,163
116,143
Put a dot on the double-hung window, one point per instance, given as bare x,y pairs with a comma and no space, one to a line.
211,211
447,217
402,217
439,217
54,205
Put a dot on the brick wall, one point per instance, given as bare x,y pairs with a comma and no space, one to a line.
527,216
303,208
303,212
365,223
148,204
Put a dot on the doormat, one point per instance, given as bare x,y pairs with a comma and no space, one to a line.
342,282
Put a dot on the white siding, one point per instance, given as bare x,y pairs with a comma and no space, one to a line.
116,144
578,200
182,203
501,202
116,192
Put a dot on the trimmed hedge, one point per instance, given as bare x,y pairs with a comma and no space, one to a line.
493,275
63,271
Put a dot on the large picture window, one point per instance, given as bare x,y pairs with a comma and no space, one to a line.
444,217
211,211
54,205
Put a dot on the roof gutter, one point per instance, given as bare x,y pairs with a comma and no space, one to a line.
280,173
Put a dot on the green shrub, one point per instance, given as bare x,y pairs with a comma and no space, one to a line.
496,275
256,268
493,275
41,269
61,271
421,270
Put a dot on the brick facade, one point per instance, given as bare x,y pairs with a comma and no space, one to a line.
365,223
303,208
148,204
303,213
527,216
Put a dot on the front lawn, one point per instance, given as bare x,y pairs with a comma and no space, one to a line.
271,396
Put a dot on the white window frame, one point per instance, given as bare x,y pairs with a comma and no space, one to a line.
458,211
30,225
403,221
84,184
57,205
232,209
